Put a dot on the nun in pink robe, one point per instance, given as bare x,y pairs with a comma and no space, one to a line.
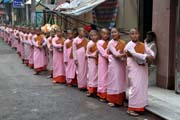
50,54
138,78
58,60
116,86
92,74
31,50
13,39
102,69
39,57
79,55
21,45
18,43
69,63
26,48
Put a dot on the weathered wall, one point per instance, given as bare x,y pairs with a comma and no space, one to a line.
164,24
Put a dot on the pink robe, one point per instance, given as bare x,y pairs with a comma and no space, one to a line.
21,45
138,79
80,56
26,48
70,67
116,86
13,40
39,56
58,62
102,70
18,43
92,74
50,54
31,50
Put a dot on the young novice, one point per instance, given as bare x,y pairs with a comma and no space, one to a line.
26,46
30,39
116,86
137,73
39,52
103,64
150,42
68,59
92,56
50,53
79,56
58,59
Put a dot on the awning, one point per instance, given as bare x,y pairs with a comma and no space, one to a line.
30,1
7,1
81,7
49,6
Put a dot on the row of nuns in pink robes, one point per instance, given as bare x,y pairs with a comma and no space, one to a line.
70,67
116,85
79,55
58,60
39,56
138,77
50,54
102,69
92,73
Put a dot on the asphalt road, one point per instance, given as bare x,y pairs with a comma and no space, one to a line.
24,96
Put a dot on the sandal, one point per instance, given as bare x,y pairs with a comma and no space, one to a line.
111,104
89,95
133,113
102,100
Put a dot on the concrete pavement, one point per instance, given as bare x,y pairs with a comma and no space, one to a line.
24,96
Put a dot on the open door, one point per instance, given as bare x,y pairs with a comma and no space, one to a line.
145,17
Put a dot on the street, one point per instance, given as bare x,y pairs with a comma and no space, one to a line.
24,96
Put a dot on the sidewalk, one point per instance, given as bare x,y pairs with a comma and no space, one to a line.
164,103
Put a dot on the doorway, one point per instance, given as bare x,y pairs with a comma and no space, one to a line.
145,17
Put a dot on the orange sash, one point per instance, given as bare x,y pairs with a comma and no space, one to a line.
82,44
94,49
60,41
105,44
69,44
50,41
140,47
26,37
39,39
119,47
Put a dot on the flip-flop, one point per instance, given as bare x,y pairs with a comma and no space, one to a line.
111,104
133,113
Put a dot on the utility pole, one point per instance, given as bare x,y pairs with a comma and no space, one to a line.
27,14
33,13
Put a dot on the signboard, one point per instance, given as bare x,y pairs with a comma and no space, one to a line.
18,4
